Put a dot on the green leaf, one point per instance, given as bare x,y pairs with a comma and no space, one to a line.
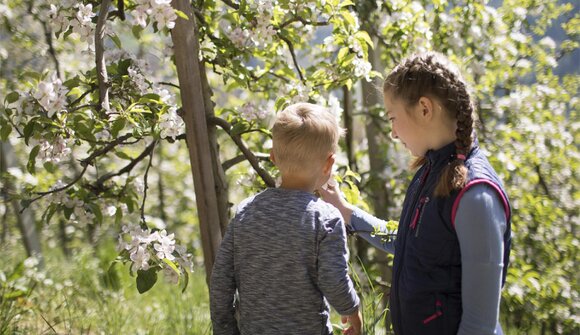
117,126
116,40
146,279
118,215
185,281
239,128
49,167
111,278
363,35
137,30
181,14
31,165
11,97
172,265
122,155
67,212
28,130
96,209
5,132
281,103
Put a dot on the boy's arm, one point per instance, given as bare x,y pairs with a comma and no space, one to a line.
223,288
333,278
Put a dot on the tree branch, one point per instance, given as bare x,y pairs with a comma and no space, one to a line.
240,158
231,4
99,184
294,59
51,51
145,187
100,56
226,126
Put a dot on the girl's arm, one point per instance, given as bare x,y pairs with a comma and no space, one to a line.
480,224
359,221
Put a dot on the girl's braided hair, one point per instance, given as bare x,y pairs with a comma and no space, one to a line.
433,75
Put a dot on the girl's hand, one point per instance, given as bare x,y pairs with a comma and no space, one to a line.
332,195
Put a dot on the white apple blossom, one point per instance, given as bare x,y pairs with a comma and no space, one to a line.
51,95
207,50
140,259
362,68
548,42
239,37
53,152
165,245
171,124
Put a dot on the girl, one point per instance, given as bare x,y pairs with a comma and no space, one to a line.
453,242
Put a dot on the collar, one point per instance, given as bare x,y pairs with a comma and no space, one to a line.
447,152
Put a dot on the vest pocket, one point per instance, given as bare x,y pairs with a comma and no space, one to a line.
437,314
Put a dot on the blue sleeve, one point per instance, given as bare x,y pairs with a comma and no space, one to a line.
480,224
333,278
365,225
223,287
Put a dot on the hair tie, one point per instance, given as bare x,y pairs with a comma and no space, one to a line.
461,157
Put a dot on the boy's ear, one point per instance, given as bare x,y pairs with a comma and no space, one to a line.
272,158
329,163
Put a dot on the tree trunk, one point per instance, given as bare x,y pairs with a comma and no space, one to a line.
377,153
25,219
186,50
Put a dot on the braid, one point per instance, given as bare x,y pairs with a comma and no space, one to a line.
431,74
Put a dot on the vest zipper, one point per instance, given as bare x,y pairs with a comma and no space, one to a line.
420,211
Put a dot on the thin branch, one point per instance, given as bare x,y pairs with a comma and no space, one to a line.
227,127
99,184
231,4
168,84
51,51
294,59
105,149
145,181
303,21
77,100
240,158
100,56
543,183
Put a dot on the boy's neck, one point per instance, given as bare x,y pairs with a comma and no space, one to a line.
293,183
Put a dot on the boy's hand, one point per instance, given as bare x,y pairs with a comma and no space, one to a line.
355,321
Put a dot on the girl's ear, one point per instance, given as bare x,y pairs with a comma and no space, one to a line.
426,108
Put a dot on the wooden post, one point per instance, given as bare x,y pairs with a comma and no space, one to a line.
186,50
26,222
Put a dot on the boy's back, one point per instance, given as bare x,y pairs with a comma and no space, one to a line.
284,251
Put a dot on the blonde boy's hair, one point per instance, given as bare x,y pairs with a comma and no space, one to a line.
303,136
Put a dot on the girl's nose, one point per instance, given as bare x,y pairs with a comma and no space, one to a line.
394,135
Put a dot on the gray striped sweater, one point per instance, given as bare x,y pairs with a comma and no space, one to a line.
285,254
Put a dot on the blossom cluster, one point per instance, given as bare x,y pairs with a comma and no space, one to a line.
263,32
252,112
54,151
51,95
146,249
79,17
159,11
171,124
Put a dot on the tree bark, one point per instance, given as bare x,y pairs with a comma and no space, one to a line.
25,218
377,153
186,50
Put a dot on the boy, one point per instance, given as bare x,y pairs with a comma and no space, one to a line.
285,250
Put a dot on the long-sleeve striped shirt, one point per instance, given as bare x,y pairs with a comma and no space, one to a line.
285,254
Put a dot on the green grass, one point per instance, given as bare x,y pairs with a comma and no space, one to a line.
72,297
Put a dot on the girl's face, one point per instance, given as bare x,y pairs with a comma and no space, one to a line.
405,127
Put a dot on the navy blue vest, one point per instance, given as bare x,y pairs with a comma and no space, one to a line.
426,287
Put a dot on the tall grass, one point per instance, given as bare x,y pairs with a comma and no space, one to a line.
72,296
